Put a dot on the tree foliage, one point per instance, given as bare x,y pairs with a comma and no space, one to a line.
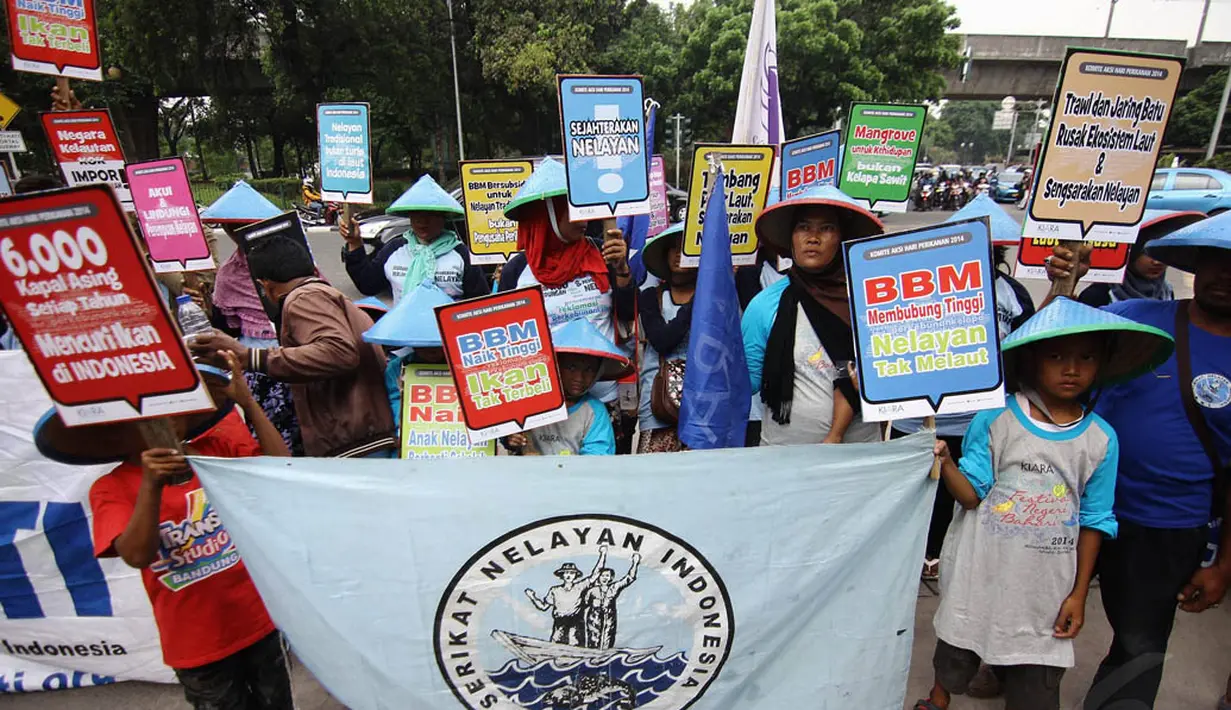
1192,117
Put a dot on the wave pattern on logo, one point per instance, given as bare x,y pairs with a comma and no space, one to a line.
605,684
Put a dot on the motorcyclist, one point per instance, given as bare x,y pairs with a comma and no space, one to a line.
311,197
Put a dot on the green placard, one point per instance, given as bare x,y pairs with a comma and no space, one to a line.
878,161
432,424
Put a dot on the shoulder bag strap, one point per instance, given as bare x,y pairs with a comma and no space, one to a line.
1184,368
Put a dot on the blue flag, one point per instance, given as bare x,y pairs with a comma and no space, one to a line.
637,227
717,391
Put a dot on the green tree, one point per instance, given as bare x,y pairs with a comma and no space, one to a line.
1192,117
970,122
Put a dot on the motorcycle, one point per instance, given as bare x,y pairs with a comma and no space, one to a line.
319,214
983,188
923,198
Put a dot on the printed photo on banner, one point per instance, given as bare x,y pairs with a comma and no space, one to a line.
1111,111
487,186
748,170
500,353
809,161
882,146
167,213
605,158
432,422
660,208
76,289
924,313
88,150
1108,260
346,156
56,37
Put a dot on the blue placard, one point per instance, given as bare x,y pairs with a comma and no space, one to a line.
605,154
346,160
923,310
6,187
808,161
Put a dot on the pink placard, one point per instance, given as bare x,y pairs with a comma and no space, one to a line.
660,215
168,215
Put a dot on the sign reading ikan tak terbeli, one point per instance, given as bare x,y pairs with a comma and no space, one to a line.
88,150
924,313
487,186
168,216
346,157
605,159
747,171
882,145
1111,110
76,290
500,352
57,37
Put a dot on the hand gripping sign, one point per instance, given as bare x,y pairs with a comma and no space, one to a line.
88,150
487,186
923,310
76,289
882,145
747,171
605,159
499,349
1111,110
346,157
168,215
808,161
56,37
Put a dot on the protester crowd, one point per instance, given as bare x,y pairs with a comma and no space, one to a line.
1118,406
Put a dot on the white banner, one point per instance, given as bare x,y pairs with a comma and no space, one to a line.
67,620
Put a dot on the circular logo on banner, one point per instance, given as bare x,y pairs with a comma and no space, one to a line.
1212,390
587,612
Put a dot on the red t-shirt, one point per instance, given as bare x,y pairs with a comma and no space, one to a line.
205,604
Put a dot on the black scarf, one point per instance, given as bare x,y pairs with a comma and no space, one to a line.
778,371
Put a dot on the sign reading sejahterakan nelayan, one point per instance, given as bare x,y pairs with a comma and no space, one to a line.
882,146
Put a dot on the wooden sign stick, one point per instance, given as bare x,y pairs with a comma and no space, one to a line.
1067,285
929,423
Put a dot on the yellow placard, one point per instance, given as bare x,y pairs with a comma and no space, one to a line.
487,186
747,169
432,423
8,111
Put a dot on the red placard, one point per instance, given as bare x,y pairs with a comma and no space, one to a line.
88,150
503,363
75,287
57,37
1107,260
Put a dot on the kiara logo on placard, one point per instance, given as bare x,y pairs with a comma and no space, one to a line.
587,612
194,548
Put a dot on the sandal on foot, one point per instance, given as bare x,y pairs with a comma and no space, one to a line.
926,704
931,570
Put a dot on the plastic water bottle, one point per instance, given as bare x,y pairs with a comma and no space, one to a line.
192,319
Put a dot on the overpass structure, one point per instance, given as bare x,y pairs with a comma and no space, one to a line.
1026,67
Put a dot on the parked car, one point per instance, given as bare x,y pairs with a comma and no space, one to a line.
677,204
1199,189
1008,186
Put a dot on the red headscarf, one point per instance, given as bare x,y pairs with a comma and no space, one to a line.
552,262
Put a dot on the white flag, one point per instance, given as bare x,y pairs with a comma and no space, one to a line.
758,115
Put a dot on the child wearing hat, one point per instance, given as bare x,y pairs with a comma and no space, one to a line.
431,254
413,333
1036,486
583,356
215,631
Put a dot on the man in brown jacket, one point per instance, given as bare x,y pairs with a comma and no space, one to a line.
337,380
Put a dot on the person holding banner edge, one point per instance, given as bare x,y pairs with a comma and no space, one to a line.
1175,428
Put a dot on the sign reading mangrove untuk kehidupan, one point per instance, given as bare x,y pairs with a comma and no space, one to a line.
878,162
1111,111
924,313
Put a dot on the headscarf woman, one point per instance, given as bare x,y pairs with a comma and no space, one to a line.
797,333
1144,277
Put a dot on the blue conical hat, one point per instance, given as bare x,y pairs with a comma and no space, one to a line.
412,322
240,205
654,254
373,306
1182,248
1005,230
776,223
547,180
425,196
1136,347
581,337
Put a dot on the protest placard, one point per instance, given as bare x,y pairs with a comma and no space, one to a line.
432,422
605,159
1111,110
77,292
503,363
6,184
168,215
747,169
12,142
56,37
88,150
923,309
8,111
346,156
1108,260
878,161
286,224
487,186
660,208
808,161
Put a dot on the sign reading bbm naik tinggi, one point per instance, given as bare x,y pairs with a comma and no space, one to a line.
1111,110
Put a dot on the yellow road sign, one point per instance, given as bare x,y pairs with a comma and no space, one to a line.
8,111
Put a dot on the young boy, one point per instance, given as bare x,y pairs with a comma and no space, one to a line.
152,512
1036,487
583,355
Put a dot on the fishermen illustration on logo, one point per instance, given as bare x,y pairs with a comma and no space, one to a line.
590,641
